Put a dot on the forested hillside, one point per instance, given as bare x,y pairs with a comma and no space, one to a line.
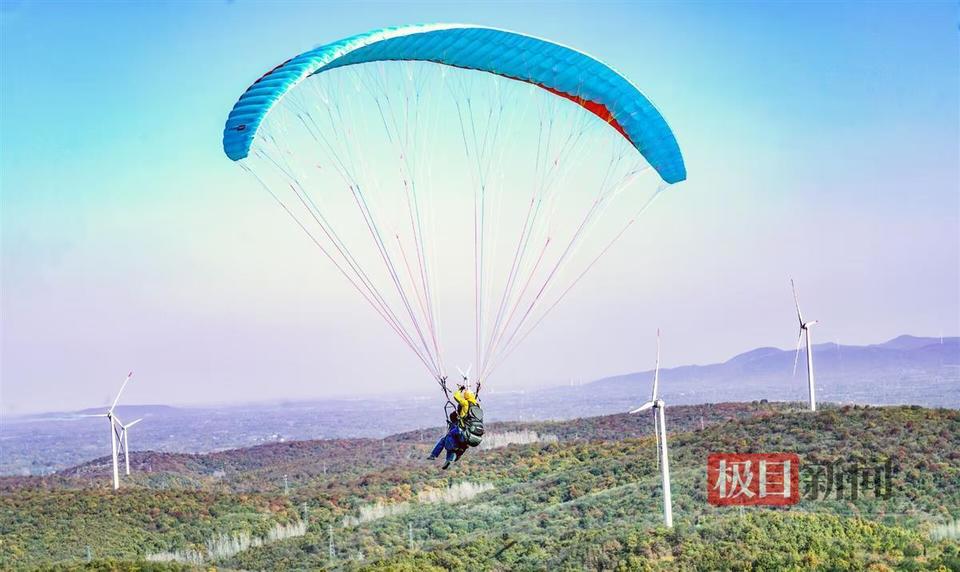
569,495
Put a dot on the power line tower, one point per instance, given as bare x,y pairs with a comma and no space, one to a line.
331,552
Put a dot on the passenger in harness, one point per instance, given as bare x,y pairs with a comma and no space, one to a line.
453,442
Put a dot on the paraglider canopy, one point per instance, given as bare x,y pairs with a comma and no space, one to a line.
558,69
429,162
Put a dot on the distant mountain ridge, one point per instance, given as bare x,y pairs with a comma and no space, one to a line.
837,369
127,411
840,371
905,370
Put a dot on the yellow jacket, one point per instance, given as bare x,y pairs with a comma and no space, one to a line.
465,398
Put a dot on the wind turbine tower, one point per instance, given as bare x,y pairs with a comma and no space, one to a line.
805,336
660,430
119,442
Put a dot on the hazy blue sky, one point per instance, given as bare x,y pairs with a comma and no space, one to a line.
821,141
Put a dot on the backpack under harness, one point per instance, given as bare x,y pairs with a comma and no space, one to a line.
472,425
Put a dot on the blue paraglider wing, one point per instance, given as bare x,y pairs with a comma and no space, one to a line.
558,69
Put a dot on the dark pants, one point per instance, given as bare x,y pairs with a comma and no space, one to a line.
450,444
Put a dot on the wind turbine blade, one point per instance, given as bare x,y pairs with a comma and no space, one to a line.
93,415
796,356
796,301
129,375
469,368
656,371
643,407
132,423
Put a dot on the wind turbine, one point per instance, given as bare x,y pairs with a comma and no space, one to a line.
805,334
660,430
466,379
119,442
